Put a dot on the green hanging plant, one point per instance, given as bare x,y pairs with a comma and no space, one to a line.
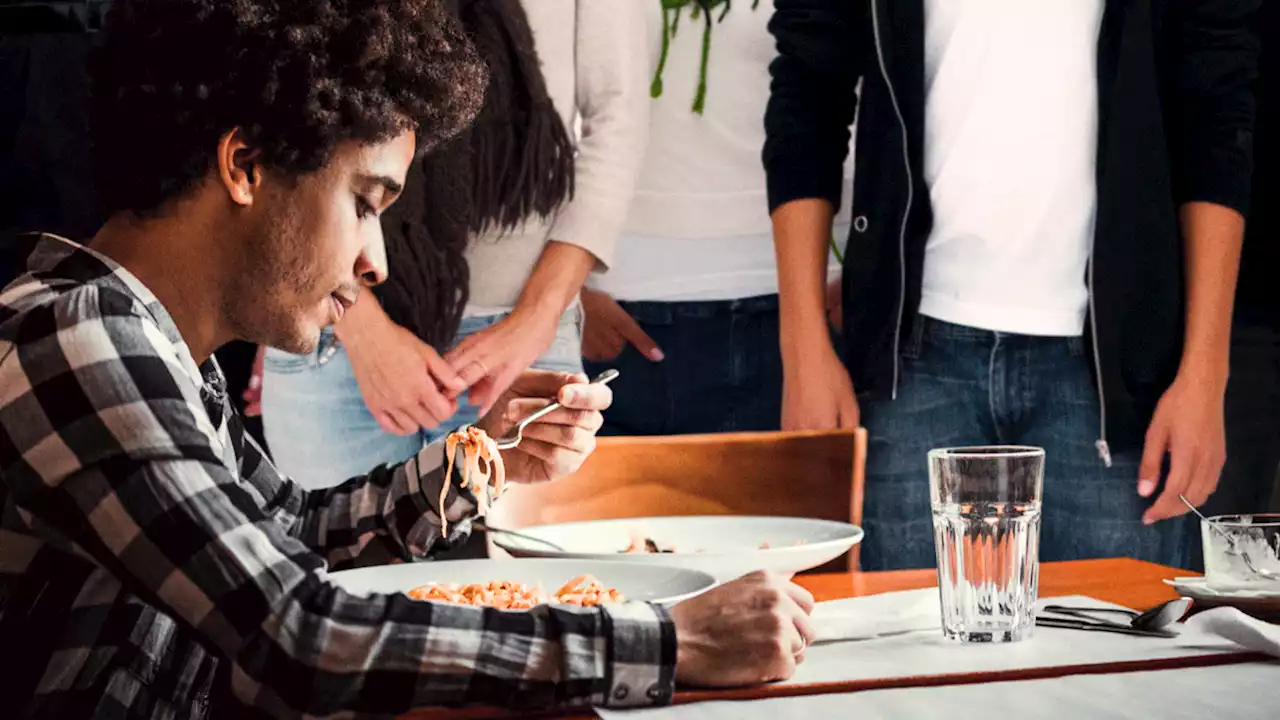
703,9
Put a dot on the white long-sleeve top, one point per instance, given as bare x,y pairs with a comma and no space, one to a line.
595,59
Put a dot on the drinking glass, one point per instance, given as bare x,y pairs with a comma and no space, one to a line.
986,528
1241,552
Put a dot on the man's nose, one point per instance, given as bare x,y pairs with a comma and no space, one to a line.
371,266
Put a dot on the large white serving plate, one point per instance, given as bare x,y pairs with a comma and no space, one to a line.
724,546
644,583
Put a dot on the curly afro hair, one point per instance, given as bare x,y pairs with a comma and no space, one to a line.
298,76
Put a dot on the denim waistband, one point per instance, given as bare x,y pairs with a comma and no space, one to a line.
666,312
926,327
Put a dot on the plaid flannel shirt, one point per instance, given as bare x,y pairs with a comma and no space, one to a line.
153,564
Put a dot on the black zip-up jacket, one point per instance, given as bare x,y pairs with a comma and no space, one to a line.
1175,118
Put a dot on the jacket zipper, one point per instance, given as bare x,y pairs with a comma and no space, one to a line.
1104,450
911,188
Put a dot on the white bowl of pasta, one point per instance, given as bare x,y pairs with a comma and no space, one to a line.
520,584
723,546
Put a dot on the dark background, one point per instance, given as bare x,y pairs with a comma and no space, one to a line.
46,184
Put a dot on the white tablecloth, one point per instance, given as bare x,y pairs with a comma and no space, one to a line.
1230,692
926,652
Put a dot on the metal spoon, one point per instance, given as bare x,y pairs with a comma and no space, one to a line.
1232,547
479,524
513,438
1157,618
1163,615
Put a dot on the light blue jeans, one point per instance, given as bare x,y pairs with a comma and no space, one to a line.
319,430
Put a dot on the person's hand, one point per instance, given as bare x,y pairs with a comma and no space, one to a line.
608,328
1188,425
491,359
817,394
556,444
405,383
835,304
252,394
749,631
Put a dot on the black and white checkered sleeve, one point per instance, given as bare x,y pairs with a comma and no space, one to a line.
400,505
104,442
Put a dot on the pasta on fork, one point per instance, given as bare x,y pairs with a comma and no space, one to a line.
483,472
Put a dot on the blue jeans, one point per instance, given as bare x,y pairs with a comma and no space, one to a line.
321,433
722,371
963,386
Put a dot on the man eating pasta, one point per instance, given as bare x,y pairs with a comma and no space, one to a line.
153,564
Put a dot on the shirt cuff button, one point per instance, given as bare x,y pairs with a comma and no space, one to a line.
621,692
656,692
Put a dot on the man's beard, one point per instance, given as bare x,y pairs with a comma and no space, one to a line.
267,305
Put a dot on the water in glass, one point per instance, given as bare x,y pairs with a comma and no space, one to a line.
986,520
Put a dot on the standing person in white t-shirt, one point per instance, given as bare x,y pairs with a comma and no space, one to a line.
1047,228
689,309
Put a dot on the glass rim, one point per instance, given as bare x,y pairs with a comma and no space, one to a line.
1236,520
987,452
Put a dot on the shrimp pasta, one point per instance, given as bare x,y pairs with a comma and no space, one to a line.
584,591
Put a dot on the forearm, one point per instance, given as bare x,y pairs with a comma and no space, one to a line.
544,657
286,621
1212,237
801,233
396,655
556,280
401,504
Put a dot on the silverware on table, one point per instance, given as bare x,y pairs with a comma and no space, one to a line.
1101,627
1157,618
479,524
513,438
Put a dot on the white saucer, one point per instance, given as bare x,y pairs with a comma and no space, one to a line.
1198,588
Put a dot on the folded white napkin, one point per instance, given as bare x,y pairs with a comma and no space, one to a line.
863,618
1248,632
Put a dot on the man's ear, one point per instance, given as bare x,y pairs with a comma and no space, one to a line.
238,169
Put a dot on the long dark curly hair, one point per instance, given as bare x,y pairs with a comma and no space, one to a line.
298,76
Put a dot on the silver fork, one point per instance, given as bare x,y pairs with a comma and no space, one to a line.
482,524
513,438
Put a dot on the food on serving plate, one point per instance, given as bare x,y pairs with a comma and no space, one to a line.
483,472
641,543
583,590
